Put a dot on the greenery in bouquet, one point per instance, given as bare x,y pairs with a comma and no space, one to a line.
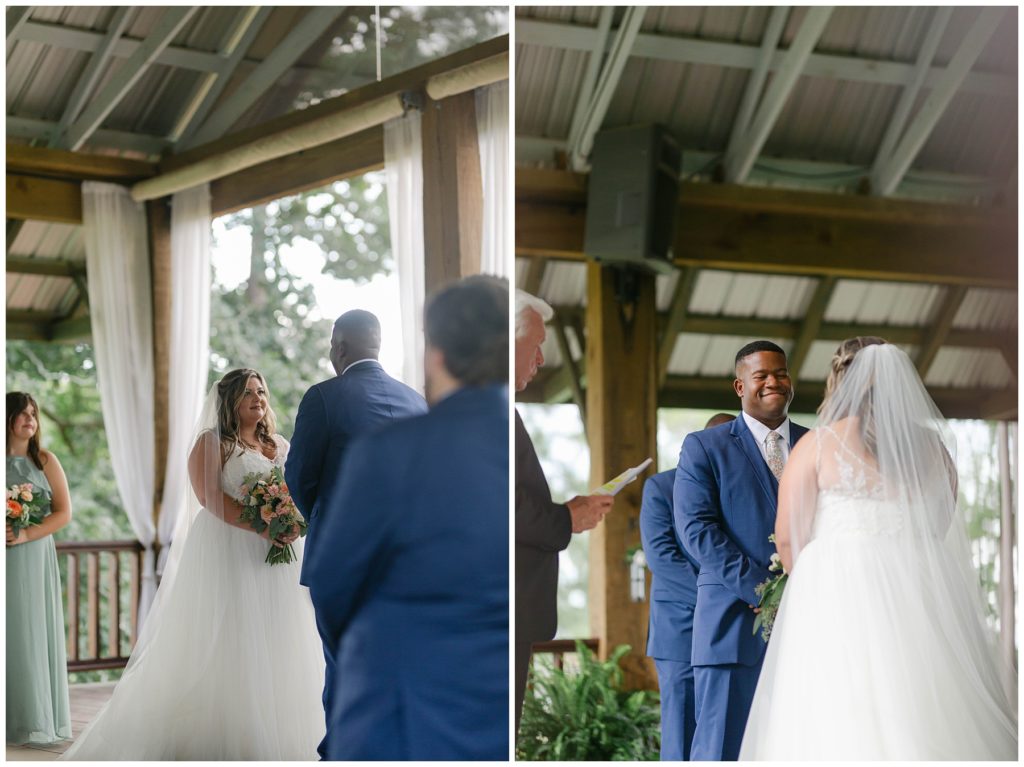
770,593
26,506
585,716
268,506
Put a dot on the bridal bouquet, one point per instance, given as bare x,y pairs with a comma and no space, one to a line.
26,506
771,596
267,505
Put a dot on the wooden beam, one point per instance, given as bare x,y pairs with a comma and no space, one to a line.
452,191
14,226
17,17
310,169
676,320
694,49
741,154
54,267
908,97
801,233
413,80
715,325
886,178
938,334
158,215
77,329
534,276
594,58
79,166
88,80
582,142
239,40
570,365
622,429
40,199
316,23
811,326
117,86
755,82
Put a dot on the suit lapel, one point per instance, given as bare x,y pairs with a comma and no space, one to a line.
745,441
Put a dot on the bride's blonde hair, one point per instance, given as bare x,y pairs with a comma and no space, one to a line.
230,390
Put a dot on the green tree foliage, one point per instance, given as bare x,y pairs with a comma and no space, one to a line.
410,36
584,715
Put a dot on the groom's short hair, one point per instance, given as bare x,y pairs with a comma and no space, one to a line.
757,346
468,322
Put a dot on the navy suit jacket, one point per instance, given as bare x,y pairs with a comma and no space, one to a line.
674,574
412,578
724,503
331,415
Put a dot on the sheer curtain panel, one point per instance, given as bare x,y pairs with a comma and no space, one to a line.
120,307
403,165
492,132
189,345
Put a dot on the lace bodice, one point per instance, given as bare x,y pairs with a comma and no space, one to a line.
852,499
244,462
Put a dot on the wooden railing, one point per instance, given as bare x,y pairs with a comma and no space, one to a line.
103,562
559,648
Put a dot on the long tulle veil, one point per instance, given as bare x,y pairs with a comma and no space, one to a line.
881,439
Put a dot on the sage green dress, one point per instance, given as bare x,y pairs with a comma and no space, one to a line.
38,710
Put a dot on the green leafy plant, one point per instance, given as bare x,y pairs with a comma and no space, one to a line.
584,715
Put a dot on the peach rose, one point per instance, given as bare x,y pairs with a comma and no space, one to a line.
267,513
13,509
26,492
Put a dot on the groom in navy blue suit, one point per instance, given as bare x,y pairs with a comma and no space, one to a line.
724,503
412,568
361,398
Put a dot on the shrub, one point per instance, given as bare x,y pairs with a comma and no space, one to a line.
584,716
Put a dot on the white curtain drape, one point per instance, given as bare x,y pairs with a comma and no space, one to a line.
120,307
403,165
189,345
492,133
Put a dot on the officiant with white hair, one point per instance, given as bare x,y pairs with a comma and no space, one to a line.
543,527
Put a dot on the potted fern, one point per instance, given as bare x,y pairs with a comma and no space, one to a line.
585,716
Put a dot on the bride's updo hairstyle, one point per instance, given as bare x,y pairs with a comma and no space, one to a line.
230,391
841,361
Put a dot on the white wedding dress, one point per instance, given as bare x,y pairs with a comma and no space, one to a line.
229,665
867,658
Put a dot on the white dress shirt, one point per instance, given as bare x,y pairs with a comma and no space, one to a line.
357,362
760,433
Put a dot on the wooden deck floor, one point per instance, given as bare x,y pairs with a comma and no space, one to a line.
86,701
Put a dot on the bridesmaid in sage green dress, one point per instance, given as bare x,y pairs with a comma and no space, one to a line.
38,710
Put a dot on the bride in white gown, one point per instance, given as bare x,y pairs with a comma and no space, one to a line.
880,649
228,665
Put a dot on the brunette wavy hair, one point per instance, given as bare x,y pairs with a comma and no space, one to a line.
17,403
230,390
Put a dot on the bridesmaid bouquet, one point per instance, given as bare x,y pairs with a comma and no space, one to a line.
771,596
26,506
267,505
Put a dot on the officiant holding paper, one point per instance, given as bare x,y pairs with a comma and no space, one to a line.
543,527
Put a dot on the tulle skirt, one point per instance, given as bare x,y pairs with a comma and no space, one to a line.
229,665
865,664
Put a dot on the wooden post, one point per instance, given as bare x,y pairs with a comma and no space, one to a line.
452,191
621,421
159,215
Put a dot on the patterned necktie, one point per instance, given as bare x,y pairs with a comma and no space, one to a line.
773,453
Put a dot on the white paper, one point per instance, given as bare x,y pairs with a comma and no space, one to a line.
613,486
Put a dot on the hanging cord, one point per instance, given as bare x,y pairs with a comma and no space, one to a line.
377,17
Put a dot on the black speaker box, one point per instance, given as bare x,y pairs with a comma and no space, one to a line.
632,197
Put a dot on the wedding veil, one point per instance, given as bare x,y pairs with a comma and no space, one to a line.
880,468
